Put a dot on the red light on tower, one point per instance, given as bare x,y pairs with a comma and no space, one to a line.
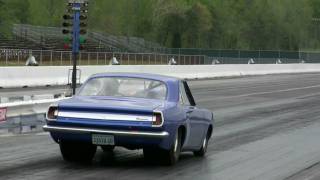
66,46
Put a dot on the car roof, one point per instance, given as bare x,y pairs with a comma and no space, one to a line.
137,75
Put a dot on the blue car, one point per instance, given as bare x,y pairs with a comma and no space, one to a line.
137,111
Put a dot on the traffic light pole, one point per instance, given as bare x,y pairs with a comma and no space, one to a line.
74,72
75,46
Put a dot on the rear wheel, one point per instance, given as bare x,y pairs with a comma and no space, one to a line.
202,151
166,157
77,152
170,157
107,148
151,154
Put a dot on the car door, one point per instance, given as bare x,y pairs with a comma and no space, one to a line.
193,115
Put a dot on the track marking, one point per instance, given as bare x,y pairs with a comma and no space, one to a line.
270,92
42,134
26,134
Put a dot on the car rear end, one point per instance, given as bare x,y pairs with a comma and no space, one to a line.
131,127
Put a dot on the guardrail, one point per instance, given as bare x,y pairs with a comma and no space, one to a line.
229,56
58,75
18,57
23,117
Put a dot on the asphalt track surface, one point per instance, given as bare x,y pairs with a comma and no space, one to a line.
267,127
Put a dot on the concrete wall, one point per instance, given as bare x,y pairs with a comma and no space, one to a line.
58,75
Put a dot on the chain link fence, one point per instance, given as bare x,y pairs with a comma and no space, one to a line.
244,56
18,57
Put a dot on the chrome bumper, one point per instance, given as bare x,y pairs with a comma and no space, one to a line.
162,134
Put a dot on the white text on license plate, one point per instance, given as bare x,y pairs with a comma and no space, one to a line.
102,139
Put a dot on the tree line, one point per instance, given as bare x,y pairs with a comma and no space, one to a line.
216,24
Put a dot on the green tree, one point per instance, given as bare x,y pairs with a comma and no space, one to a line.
220,24
46,12
197,26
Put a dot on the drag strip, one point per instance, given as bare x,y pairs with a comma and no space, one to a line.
267,127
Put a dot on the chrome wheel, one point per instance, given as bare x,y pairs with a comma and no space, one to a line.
204,144
176,144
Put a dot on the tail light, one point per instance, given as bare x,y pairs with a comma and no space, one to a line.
52,113
157,120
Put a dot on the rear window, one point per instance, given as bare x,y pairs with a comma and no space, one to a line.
125,87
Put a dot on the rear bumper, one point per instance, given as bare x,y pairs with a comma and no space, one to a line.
143,134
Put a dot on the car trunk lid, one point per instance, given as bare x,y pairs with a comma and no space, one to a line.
115,105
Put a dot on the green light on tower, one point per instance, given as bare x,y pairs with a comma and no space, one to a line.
67,39
82,40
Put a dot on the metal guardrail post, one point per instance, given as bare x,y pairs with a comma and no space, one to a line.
6,57
135,59
97,58
121,58
128,58
88,58
80,57
105,58
70,54
18,58
61,58
41,56
142,59
51,58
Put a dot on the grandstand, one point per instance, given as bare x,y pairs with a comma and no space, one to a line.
17,43
51,38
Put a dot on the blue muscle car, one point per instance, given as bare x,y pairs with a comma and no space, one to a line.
153,112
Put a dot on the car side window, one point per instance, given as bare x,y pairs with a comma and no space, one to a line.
183,95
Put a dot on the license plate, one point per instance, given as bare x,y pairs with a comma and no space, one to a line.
101,139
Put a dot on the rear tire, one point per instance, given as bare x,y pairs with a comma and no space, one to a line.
77,152
165,157
202,151
171,157
151,154
107,148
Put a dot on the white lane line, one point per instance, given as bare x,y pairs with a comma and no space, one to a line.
25,134
42,134
277,91
12,135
